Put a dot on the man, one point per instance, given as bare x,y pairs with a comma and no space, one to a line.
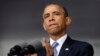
55,22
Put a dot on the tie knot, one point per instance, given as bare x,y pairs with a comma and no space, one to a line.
55,44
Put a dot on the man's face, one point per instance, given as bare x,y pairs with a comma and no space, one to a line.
54,19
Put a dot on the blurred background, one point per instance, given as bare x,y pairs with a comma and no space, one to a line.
21,21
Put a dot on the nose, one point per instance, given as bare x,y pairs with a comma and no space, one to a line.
51,18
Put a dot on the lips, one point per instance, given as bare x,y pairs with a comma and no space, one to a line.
53,25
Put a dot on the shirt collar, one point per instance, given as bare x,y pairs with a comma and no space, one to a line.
60,40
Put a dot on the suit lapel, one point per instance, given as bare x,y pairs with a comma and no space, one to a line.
65,49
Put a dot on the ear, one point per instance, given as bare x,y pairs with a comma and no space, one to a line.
68,20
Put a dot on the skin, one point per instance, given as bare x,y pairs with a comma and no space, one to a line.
54,22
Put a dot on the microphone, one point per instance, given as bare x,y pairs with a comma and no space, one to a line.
25,49
32,48
17,50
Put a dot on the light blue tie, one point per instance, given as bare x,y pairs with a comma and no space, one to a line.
54,45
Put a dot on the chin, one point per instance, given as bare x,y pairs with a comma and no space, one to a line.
53,32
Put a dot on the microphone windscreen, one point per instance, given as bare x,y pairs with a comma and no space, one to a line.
17,49
32,48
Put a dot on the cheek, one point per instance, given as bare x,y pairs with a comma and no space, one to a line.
59,20
61,23
45,24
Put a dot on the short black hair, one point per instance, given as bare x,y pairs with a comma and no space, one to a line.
58,4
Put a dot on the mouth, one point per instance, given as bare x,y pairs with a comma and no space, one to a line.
51,26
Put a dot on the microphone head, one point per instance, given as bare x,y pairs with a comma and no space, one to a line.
17,49
32,48
28,50
25,49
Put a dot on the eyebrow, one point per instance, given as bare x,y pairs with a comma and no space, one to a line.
56,11
44,14
48,13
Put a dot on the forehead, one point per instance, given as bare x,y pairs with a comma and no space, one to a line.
52,7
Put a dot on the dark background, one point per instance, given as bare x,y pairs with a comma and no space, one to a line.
21,21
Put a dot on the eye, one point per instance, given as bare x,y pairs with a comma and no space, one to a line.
56,13
46,16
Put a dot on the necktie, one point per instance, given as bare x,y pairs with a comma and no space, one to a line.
54,45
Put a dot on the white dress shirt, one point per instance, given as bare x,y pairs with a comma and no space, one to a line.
61,40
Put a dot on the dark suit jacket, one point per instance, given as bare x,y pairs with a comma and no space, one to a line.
72,48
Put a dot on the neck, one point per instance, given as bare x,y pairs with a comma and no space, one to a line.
57,36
